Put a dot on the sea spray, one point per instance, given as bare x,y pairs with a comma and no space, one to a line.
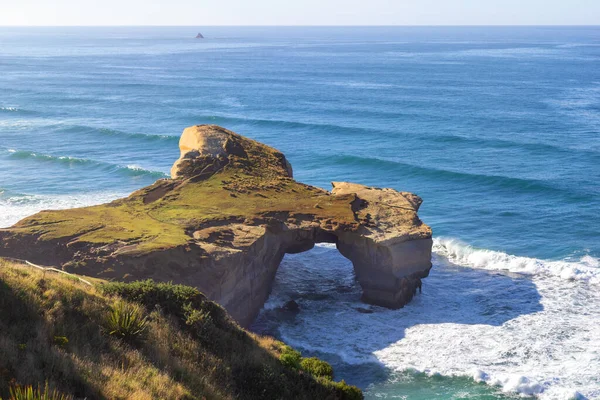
524,334
14,206
586,269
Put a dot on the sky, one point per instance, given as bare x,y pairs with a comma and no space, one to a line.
298,12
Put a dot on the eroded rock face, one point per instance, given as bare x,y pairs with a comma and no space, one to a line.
389,255
206,149
224,223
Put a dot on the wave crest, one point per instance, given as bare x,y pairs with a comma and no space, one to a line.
16,206
16,110
587,269
132,170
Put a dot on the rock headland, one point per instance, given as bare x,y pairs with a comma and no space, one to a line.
224,222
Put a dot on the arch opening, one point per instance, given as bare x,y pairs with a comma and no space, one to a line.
389,274
312,281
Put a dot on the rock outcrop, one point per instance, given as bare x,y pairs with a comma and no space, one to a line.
387,254
224,222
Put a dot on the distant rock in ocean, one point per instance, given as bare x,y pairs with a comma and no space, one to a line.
199,36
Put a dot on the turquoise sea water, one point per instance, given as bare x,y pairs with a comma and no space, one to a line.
498,129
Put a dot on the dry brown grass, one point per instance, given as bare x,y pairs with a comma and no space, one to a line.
52,330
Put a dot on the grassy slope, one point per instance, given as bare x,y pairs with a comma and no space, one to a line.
190,349
163,223
162,215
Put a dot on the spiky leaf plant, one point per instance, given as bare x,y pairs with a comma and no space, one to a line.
126,321
18,392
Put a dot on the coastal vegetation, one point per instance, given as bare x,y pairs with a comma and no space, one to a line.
254,188
224,222
62,339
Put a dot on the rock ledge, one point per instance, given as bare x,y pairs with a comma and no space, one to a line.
224,222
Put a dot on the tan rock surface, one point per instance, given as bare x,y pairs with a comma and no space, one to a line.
225,222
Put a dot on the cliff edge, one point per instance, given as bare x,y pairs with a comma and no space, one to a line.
224,222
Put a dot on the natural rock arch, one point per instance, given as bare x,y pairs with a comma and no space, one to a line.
388,265
224,222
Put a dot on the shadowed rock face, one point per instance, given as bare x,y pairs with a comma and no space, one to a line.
224,222
388,260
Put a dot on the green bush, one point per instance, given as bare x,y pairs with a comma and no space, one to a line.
29,393
347,392
290,357
257,381
203,354
317,368
194,316
61,341
211,325
126,321
172,299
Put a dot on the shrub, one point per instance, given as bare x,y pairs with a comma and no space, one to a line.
126,321
191,348
194,316
317,368
256,381
348,392
171,298
290,357
61,341
185,303
29,393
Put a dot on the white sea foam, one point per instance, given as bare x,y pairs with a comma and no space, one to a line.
575,45
68,158
361,85
230,101
586,269
512,52
534,335
326,245
15,208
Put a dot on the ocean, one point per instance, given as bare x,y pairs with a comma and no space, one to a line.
496,128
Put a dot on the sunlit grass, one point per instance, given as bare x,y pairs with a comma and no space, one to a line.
140,340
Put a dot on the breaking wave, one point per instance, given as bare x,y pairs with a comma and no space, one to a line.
587,269
16,110
16,206
527,335
138,136
131,170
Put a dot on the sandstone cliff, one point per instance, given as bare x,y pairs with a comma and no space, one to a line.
224,222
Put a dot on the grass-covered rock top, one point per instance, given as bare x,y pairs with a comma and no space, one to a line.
65,340
232,180
224,222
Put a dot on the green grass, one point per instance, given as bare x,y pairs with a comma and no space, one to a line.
53,330
30,393
163,224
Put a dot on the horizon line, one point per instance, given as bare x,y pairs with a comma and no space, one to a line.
301,26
